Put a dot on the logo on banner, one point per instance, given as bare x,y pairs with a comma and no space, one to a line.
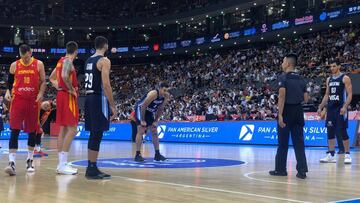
247,132
80,128
161,131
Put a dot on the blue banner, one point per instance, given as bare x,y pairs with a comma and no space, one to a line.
242,132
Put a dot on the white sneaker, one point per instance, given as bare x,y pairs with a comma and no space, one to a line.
347,159
66,170
10,169
328,159
29,166
72,168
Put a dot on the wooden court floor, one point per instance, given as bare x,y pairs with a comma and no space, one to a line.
248,182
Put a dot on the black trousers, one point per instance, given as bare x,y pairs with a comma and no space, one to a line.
294,119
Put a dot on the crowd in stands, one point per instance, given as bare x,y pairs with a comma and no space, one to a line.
240,82
233,84
94,10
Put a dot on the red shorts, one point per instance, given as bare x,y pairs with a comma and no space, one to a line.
24,114
67,109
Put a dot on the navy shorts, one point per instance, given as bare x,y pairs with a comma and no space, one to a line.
97,113
149,116
335,120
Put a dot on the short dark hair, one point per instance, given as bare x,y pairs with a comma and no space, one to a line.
293,58
71,47
336,61
164,85
100,42
24,48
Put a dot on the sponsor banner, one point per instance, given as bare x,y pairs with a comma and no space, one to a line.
353,10
242,132
250,31
117,131
304,20
329,15
281,25
313,116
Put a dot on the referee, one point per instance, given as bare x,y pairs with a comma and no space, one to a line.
292,92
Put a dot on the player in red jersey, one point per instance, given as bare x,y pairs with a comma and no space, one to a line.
64,79
26,86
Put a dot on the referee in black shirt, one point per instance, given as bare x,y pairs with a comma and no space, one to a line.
292,93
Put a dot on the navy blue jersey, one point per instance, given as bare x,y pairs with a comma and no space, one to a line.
337,92
154,105
295,87
93,82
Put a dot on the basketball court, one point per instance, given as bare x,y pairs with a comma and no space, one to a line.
194,173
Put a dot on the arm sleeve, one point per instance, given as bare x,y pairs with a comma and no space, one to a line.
10,82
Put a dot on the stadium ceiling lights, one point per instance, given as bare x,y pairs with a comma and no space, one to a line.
350,22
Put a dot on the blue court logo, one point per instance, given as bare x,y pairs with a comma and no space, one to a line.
170,163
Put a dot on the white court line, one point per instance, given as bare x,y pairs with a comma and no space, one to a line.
201,188
208,189
247,175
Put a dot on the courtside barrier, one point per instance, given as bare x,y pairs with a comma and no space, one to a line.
240,132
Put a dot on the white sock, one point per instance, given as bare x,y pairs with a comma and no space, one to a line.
38,148
30,155
12,157
65,157
60,158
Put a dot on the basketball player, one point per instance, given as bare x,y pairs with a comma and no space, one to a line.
45,110
26,86
337,97
3,111
64,79
99,97
148,112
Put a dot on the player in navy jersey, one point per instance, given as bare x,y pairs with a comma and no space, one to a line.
337,97
98,104
148,111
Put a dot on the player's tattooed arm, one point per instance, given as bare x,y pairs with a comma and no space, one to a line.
10,81
65,74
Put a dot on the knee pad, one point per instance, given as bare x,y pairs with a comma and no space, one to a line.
331,133
95,140
14,138
32,139
344,134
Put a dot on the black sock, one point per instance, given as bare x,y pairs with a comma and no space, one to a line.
157,152
138,153
91,164
347,152
332,153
